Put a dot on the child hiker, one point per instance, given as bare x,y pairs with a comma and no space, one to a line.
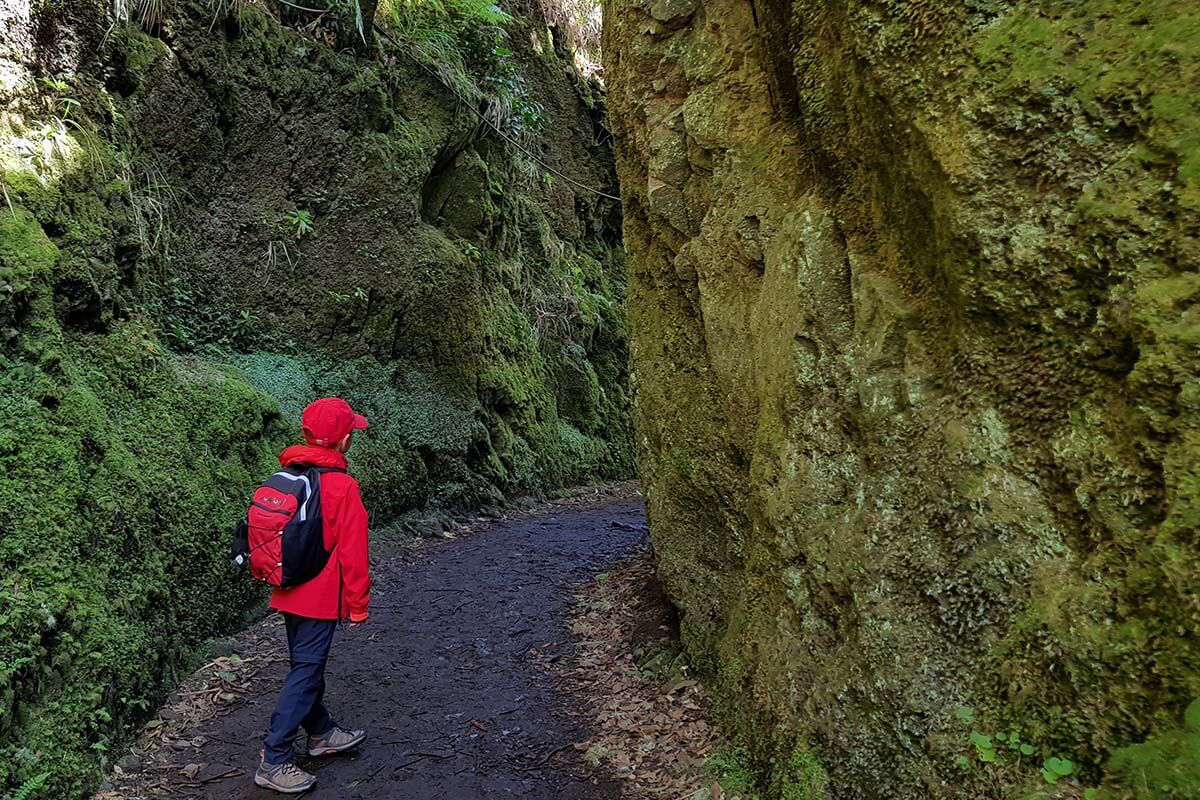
312,608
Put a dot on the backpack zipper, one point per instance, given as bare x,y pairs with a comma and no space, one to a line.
270,510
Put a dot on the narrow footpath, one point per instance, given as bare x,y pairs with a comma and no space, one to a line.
444,676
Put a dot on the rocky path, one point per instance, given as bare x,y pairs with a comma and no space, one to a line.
444,676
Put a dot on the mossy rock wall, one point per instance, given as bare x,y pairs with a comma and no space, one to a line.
914,330
165,316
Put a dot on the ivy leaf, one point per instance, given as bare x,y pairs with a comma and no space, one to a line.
965,714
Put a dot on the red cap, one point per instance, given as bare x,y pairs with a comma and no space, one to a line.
327,420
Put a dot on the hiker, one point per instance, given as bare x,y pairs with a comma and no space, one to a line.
312,609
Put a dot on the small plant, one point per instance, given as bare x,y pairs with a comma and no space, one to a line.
1055,769
244,324
1004,755
301,222
138,703
471,251
152,199
985,747
357,293
29,787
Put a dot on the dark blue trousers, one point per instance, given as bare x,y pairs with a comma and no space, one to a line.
300,701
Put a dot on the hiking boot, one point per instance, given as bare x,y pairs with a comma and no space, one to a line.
335,741
286,778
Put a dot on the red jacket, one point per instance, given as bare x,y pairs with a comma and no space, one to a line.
343,588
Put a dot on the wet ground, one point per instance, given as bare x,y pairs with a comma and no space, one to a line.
444,676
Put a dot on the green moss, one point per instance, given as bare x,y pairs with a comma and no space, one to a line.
26,253
916,400
141,52
1166,767
140,458
115,568
1151,50
734,771
803,777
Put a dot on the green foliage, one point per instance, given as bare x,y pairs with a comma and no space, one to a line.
1150,49
141,463
464,42
301,222
190,324
1055,769
734,770
1002,759
140,457
28,790
803,778
471,251
26,253
1165,767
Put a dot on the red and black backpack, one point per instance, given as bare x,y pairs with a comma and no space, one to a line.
282,538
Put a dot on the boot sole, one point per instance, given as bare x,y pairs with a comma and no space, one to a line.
317,752
266,784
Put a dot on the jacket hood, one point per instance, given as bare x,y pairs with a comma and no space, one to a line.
312,454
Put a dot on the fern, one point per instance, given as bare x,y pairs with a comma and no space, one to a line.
29,787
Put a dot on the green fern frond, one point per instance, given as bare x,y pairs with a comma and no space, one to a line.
29,787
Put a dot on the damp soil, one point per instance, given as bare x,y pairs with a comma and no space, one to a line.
449,676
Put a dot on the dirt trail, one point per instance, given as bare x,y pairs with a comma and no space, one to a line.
443,676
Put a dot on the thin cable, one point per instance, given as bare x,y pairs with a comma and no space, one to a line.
482,118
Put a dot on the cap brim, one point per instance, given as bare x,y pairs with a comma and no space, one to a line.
360,422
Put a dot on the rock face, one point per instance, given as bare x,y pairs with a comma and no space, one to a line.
915,341
208,223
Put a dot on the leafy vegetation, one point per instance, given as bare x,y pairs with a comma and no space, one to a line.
1004,759
27,790
158,336
301,222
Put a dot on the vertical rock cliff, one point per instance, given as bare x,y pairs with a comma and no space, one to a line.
915,341
215,212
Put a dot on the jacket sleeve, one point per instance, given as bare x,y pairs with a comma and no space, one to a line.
353,554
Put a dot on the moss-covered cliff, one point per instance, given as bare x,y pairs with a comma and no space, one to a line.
207,221
915,339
